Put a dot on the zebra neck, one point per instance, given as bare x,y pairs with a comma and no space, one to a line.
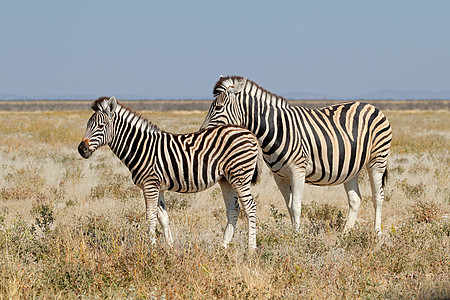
262,97
131,131
262,113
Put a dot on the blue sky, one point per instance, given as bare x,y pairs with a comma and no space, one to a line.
178,49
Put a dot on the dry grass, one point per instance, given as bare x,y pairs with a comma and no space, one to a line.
74,228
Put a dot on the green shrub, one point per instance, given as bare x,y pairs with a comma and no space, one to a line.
426,211
44,217
358,238
412,191
323,217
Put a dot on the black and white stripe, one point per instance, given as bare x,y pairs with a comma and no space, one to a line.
184,163
326,146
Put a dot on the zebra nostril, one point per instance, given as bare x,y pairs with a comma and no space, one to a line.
83,149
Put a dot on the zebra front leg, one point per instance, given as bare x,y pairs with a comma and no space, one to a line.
376,183
232,210
163,219
284,185
297,185
354,201
292,190
151,194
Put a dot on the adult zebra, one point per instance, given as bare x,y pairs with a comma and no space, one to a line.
184,163
326,146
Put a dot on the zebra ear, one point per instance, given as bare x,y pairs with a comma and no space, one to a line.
220,101
239,86
112,104
242,84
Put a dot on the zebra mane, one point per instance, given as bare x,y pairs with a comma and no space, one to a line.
252,89
100,104
129,115
135,119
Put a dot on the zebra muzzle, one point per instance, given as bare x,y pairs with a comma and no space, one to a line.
83,149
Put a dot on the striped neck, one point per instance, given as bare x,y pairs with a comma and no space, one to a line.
262,97
129,127
259,103
124,115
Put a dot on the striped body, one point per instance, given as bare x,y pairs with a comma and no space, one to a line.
326,146
184,163
336,142
187,163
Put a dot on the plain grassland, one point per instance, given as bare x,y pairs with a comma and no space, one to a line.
75,228
203,105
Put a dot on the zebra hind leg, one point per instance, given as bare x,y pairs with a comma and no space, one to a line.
151,194
354,201
249,207
232,210
377,177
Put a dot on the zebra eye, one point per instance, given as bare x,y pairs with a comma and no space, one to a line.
100,126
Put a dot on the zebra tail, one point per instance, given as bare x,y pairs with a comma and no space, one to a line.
385,178
259,166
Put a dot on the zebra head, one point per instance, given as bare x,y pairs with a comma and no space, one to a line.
225,107
99,130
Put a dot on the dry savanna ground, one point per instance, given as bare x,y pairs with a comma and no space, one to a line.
75,228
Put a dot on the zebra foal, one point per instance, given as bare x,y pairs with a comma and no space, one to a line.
184,163
326,146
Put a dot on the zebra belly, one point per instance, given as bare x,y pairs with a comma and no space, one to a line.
188,181
186,186
318,178
333,174
319,173
323,178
